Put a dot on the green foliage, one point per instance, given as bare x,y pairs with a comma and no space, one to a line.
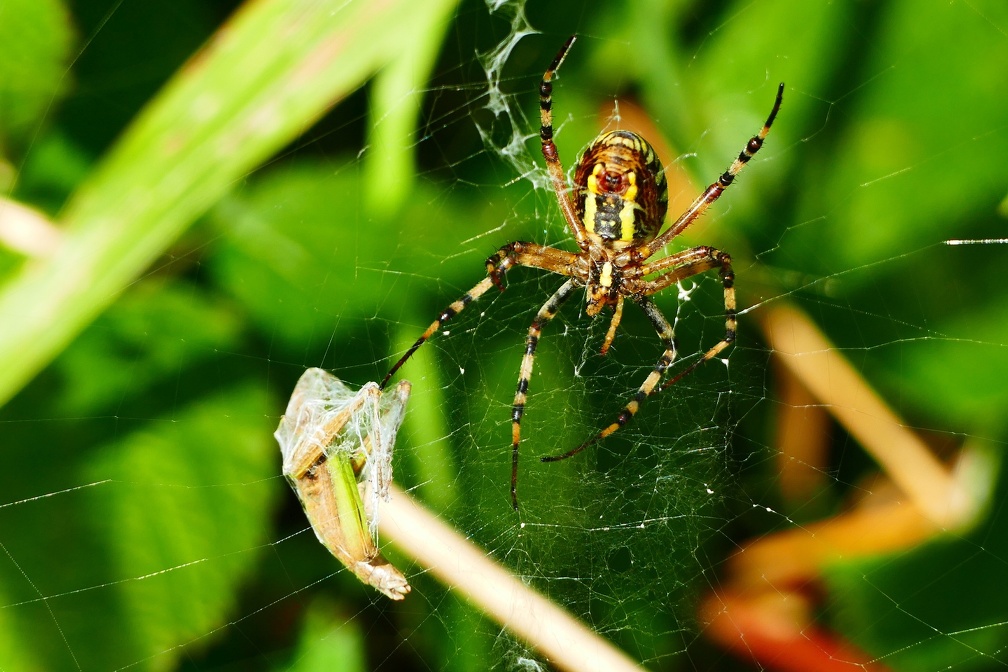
35,40
191,491
325,646
147,360
941,601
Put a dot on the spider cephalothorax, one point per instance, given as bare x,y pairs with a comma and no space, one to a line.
615,212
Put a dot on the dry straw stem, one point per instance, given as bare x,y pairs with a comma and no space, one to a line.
906,459
26,230
566,642
928,497
762,610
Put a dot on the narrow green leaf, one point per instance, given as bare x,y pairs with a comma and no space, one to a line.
229,109
35,40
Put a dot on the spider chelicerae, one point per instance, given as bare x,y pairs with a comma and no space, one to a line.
615,211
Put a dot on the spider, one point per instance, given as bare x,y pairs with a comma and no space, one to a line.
615,211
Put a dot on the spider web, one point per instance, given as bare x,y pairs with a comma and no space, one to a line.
145,524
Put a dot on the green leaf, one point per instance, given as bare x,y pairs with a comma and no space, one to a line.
938,606
35,40
153,332
328,642
309,260
206,129
180,526
920,152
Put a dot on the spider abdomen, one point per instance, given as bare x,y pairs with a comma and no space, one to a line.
621,195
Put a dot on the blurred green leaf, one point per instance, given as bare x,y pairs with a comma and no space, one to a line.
328,643
733,83
156,330
390,163
180,527
938,606
306,257
920,154
51,171
17,646
206,128
166,529
35,41
973,395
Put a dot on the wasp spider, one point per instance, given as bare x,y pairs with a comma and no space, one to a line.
615,211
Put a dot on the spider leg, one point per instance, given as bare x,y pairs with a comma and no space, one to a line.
687,264
714,191
667,336
611,333
451,311
545,314
549,149
516,253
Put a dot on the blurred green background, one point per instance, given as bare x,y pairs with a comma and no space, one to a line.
313,194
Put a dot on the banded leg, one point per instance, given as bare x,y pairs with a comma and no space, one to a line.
687,264
714,191
667,337
613,324
451,311
549,149
545,314
516,253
